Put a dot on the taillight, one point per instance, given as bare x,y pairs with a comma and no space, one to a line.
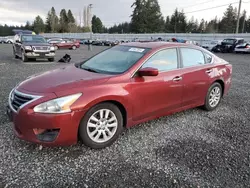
247,46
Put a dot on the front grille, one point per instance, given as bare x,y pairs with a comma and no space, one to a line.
41,48
18,100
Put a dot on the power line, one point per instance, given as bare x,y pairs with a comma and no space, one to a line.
211,8
197,4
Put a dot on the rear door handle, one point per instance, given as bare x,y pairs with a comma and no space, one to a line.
178,78
209,71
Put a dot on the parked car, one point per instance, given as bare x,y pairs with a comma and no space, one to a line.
211,45
3,40
30,46
228,45
97,43
243,48
55,40
10,40
120,87
83,41
66,44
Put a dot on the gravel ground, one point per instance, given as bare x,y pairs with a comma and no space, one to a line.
189,149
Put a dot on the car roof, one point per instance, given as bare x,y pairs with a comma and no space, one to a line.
155,45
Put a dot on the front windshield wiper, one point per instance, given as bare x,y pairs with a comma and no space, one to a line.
90,70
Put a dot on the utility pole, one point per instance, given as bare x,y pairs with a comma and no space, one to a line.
238,18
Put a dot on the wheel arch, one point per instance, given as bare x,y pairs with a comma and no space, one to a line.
221,82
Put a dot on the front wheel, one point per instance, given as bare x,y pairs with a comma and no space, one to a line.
101,126
24,58
213,97
73,47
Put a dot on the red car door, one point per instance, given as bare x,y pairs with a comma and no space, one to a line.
196,76
153,96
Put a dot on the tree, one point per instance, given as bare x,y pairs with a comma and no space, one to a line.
242,26
168,25
63,21
54,20
70,16
38,25
97,26
138,16
192,26
147,17
178,22
248,25
28,26
201,26
228,22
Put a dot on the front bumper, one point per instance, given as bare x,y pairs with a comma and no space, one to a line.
42,55
61,129
244,50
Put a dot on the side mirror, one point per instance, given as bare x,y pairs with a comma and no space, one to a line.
148,71
18,41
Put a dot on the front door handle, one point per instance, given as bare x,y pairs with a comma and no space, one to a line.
178,78
209,71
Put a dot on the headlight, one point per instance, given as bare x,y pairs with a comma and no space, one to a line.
52,48
27,47
59,105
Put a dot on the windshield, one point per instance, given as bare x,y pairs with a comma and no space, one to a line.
115,60
33,39
229,41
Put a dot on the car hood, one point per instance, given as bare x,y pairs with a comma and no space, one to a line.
35,44
62,79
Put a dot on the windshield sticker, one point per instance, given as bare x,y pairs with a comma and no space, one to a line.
140,50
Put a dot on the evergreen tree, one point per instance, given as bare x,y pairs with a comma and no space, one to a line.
242,26
178,22
71,18
202,26
146,17
138,17
228,22
97,26
38,25
63,21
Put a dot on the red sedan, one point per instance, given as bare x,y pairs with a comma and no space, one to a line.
66,44
116,89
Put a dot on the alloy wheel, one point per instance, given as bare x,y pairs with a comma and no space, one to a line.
214,97
102,126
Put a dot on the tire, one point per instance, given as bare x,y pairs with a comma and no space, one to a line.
88,126
73,47
56,47
24,58
215,88
51,59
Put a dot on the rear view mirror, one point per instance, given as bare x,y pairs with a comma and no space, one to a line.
148,71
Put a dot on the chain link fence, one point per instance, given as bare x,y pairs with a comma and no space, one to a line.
200,38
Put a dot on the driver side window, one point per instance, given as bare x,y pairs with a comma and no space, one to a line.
164,60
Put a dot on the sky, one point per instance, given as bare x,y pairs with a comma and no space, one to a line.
17,12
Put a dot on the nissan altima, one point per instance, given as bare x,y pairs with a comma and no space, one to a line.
93,101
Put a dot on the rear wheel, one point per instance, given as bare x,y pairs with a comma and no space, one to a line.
56,47
101,126
73,47
213,97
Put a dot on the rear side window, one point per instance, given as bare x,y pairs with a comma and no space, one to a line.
164,60
192,57
208,58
